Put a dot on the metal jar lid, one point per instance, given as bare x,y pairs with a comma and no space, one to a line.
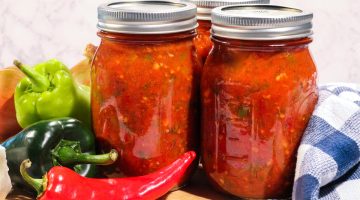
261,22
204,7
146,17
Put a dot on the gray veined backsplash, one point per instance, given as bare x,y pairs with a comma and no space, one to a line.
36,30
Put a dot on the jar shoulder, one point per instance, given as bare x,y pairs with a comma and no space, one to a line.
244,65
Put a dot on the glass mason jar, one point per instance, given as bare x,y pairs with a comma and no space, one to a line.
203,42
145,84
258,92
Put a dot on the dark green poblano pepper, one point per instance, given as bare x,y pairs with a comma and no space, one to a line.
48,91
65,142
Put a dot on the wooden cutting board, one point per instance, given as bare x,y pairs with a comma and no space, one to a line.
198,189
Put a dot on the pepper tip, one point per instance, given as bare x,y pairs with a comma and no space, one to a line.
26,163
192,154
17,63
113,155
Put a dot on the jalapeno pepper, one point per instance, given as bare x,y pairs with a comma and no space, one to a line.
63,183
66,142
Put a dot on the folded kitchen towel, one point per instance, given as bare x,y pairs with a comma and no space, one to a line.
329,154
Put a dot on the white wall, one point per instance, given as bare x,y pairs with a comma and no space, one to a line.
336,46
36,30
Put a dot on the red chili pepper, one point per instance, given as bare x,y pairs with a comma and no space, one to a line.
62,183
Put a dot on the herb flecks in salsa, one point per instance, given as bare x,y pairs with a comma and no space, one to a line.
244,111
255,107
150,106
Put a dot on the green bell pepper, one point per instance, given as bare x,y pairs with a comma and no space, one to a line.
54,142
49,92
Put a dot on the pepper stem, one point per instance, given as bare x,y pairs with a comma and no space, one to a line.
39,82
37,184
67,156
68,153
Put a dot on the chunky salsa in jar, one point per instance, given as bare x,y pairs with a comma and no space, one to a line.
258,92
202,40
145,84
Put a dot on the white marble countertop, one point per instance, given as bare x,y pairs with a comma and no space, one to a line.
37,30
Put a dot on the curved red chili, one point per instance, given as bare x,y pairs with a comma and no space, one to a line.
63,183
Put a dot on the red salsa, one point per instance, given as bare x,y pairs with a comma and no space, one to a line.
202,40
145,89
143,99
256,105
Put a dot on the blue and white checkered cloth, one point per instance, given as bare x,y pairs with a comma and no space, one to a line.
328,165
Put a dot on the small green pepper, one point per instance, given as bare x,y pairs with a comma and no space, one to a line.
50,143
49,92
